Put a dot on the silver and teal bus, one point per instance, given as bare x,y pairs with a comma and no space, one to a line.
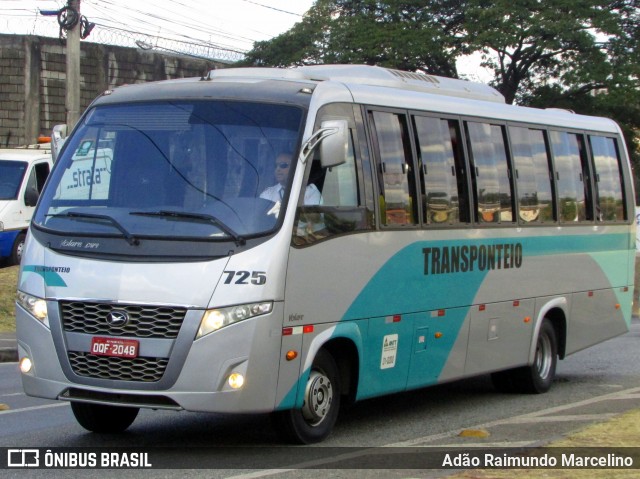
285,241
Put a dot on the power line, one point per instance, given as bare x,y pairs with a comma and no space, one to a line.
169,20
179,26
273,8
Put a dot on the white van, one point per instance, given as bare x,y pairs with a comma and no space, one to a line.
23,172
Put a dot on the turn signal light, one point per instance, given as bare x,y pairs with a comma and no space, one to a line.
291,355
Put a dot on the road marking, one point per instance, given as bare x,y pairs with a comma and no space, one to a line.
565,418
533,415
11,394
32,408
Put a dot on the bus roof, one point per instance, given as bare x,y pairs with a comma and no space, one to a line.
363,84
370,85
373,76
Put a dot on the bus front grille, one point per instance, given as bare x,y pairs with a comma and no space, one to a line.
142,321
123,369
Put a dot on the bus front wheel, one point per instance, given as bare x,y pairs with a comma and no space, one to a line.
537,377
314,421
104,419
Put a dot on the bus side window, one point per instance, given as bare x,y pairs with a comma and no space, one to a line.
608,179
533,175
398,205
441,171
491,174
340,209
572,177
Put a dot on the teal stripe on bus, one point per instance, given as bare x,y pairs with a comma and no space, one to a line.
401,285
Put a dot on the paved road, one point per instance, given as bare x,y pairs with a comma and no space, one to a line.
591,386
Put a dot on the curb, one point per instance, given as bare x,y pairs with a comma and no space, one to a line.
8,347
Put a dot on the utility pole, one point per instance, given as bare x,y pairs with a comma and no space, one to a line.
73,69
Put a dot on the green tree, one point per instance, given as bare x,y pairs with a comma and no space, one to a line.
407,35
580,46
306,43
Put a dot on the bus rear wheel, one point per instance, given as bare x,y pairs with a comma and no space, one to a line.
104,419
314,421
537,377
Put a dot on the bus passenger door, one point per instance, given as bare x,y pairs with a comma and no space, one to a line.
499,336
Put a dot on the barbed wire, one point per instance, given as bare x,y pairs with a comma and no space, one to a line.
122,37
109,35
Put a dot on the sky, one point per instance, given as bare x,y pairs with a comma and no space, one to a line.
228,27
228,24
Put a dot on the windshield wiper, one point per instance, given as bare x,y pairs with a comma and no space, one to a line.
132,240
181,215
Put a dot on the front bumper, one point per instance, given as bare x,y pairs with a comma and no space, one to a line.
195,378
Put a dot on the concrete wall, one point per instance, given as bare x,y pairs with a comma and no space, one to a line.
33,79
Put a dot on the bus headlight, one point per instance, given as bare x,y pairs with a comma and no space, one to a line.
35,306
214,319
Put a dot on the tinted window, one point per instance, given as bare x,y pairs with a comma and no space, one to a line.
442,171
609,193
571,177
533,175
491,173
395,169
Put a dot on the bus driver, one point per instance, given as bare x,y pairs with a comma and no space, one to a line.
276,192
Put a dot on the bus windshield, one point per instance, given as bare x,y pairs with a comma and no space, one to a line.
11,173
176,169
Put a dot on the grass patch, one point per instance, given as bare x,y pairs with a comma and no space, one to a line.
621,431
8,285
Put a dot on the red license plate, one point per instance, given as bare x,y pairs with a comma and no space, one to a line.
121,348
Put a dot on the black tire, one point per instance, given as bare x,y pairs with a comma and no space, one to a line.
538,377
103,419
16,251
315,420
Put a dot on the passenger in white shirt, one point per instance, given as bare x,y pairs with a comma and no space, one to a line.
276,192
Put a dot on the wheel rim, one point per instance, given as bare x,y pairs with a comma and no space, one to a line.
318,398
544,359
19,250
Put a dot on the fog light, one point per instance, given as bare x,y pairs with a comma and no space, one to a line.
25,365
236,380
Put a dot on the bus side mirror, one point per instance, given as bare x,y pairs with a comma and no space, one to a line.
333,138
334,146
